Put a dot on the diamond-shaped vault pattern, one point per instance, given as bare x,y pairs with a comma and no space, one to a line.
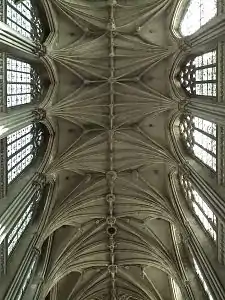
114,57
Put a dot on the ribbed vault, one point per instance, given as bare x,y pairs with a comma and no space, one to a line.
113,226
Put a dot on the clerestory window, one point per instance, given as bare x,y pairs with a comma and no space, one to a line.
23,83
202,211
196,14
199,137
198,75
23,18
22,148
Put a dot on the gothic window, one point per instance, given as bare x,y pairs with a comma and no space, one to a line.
198,75
200,208
22,148
197,13
201,277
23,83
199,137
23,18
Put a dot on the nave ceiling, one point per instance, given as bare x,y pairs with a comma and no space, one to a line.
112,209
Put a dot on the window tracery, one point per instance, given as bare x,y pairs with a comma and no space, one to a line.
200,208
199,136
198,13
23,83
198,76
23,18
22,148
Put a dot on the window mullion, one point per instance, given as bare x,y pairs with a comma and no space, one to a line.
20,149
205,66
205,133
19,12
214,226
206,150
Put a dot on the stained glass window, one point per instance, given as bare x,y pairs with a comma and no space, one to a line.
200,208
201,277
22,147
199,136
198,75
23,83
23,18
198,13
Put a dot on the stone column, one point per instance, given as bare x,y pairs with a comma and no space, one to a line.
212,195
15,207
19,118
221,242
205,257
198,244
15,43
209,33
207,109
22,269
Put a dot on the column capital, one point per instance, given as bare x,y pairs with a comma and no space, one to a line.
182,105
36,251
184,44
40,181
184,169
39,114
39,50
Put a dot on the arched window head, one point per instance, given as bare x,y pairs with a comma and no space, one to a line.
23,83
198,75
197,13
22,148
199,138
201,210
22,16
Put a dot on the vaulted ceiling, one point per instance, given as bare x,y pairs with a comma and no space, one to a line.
112,212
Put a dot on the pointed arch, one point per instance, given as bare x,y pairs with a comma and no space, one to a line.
191,15
199,137
26,18
198,75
